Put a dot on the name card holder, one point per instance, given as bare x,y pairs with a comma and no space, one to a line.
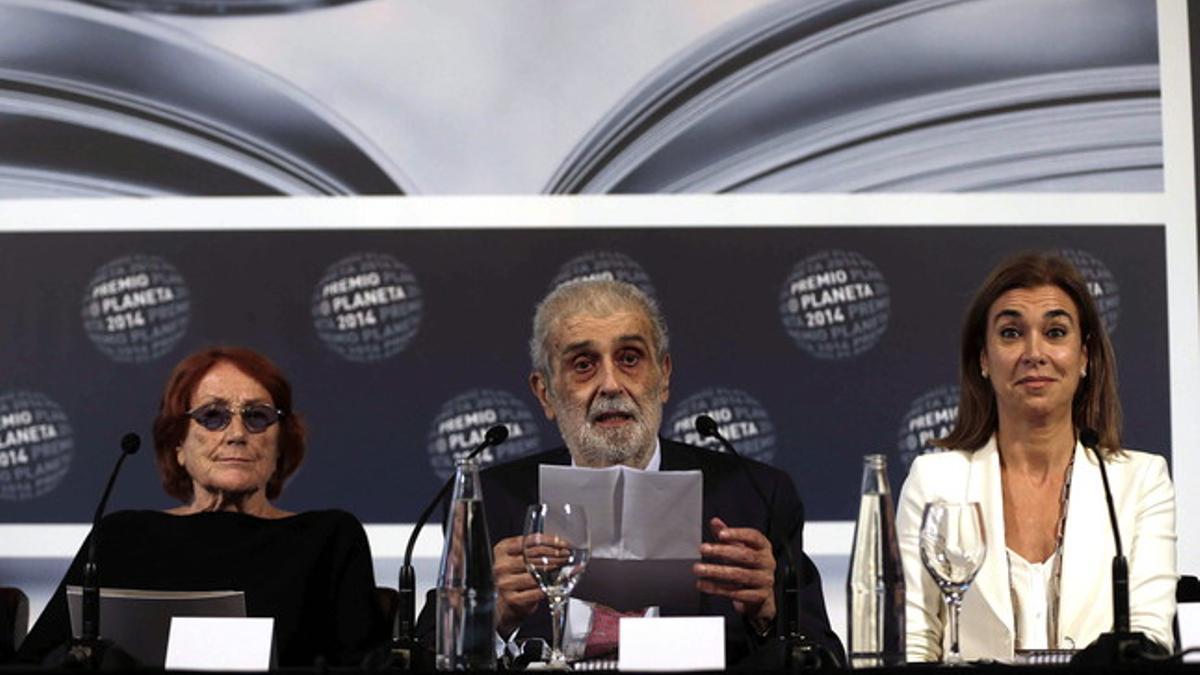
220,643
672,643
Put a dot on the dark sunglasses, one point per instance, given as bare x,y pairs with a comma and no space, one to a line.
256,417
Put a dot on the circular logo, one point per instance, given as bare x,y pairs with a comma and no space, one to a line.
136,308
35,445
1100,282
464,420
740,418
835,304
367,307
930,417
604,265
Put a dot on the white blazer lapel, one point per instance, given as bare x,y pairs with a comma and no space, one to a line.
992,580
1085,596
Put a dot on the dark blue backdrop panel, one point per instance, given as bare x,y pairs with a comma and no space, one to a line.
381,423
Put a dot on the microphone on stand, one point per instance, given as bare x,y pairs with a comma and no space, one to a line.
1121,645
800,652
405,643
89,649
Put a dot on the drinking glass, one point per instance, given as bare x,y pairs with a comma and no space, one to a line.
556,547
953,546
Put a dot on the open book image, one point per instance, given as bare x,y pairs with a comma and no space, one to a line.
217,97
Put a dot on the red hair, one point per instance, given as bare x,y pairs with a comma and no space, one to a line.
171,424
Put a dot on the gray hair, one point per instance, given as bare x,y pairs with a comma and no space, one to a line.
597,297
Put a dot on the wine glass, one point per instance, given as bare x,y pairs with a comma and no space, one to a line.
953,546
556,546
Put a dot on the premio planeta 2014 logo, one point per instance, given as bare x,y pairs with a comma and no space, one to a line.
367,307
930,417
35,445
1100,282
461,423
741,419
136,308
835,304
604,265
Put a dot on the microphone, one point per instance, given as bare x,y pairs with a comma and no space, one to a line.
1120,566
801,653
88,649
404,642
1121,645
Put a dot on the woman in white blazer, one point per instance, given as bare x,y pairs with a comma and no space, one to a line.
1036,367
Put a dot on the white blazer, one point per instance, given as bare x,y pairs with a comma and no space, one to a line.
1145,504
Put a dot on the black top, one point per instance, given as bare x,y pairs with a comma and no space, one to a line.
312,572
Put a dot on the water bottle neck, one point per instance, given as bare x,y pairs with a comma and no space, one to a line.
466,480
466,548
875,478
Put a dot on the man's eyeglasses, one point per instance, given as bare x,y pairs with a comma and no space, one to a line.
256,417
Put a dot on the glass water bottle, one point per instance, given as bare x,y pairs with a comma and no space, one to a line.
875,587
466,590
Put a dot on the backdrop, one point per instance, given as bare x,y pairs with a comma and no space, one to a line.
812,346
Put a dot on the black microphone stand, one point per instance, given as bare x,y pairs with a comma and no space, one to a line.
405,645
1122,645
799,651
89,651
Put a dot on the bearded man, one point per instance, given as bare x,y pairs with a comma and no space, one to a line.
602,372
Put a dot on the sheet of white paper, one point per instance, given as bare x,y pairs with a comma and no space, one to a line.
208,643
672,643
632,514
598,492
658,503
645,531
1189,629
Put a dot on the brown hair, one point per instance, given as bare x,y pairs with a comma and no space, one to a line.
1095,404
171,424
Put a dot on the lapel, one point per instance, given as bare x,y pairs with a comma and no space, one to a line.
509,488
983,486
676,458
1087,550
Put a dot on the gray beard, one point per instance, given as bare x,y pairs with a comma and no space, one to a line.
630,444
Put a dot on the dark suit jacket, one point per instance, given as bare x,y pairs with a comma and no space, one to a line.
728,493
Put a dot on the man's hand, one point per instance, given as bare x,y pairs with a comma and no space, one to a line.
739,566
517,594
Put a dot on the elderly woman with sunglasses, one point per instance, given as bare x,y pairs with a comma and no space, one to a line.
226,440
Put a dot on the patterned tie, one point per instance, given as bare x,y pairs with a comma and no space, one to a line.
606,630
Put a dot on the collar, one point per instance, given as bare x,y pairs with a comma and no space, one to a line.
655,462
656,459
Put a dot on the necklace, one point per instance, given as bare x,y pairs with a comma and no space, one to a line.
1052,608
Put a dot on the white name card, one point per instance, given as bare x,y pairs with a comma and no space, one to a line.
1189,629
672,643
219,643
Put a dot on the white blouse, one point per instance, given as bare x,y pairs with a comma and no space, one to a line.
1033,594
